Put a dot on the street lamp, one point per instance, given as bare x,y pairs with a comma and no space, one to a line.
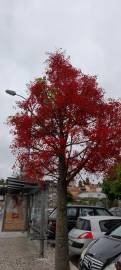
13,93
43,195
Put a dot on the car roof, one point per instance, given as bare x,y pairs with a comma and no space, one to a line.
99,217
115,208
86,206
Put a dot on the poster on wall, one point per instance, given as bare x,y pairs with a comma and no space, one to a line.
15,213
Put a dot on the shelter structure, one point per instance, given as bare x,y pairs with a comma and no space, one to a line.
26,206
17,196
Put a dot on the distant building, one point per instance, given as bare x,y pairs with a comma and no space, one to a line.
84,189
92,188
72,188
75,191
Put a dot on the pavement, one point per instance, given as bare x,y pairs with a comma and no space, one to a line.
18,252
73,267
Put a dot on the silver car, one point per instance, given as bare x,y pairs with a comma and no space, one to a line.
116,211
89,228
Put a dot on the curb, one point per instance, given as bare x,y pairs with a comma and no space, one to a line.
12,234
73,267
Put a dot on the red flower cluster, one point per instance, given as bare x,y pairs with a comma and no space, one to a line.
66,115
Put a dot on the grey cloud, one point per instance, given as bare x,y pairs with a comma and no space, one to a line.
88,30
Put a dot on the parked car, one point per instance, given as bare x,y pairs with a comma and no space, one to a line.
88,229
103,253
73,212
116,211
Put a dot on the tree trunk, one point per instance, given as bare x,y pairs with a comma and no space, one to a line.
61,253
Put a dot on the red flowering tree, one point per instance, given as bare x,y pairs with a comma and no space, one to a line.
65,127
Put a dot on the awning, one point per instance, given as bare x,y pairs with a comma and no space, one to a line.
14,185
96,195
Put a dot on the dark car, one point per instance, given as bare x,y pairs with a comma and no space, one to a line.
116,211
73,212
103,253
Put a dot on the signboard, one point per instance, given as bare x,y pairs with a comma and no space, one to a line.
15,213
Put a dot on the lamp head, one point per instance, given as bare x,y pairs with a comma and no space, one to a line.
10,92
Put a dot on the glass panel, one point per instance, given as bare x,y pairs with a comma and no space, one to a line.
106,225
116,232
53,214
71,212
83,224
87,212
80,211
101,212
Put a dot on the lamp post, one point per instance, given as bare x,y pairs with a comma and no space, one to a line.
13,93
43,197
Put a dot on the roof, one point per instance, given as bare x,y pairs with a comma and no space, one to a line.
98,195
97,218
15,185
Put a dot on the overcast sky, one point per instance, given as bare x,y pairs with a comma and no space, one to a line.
89,31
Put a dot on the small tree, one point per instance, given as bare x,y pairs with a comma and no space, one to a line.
108,189
112,183
63,128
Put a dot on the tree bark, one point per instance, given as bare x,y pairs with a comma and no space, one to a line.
61,253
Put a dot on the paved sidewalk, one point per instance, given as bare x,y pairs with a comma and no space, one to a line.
17,252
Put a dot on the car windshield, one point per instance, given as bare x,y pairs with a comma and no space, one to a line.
102,212
116,233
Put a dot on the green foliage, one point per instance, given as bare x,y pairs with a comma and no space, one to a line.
112,183
69,197
108,189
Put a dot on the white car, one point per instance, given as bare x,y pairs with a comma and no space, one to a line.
89,228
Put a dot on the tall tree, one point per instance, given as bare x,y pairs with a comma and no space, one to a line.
64,127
